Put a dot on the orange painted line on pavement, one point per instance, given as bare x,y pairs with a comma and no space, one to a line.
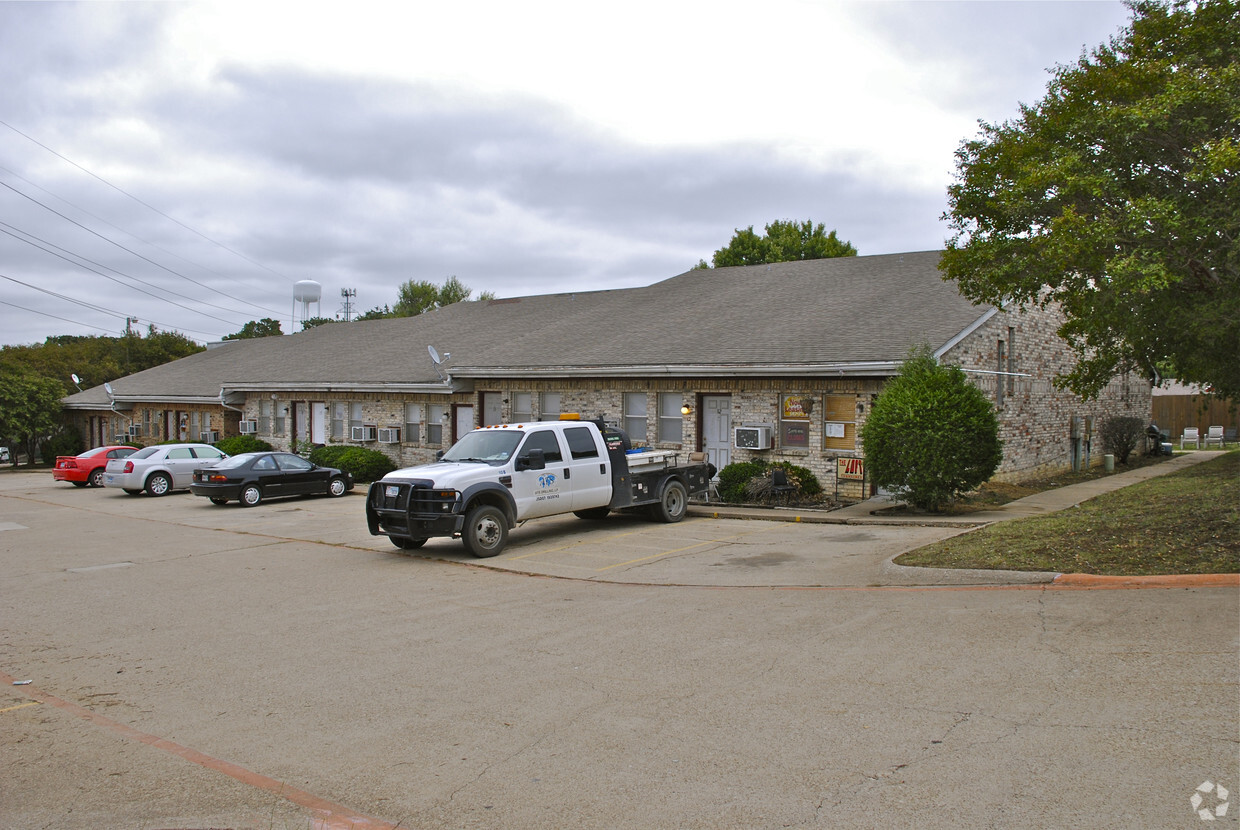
330,816
1163,581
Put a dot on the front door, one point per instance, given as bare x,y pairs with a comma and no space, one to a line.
462,421
318,423
717,429
492,409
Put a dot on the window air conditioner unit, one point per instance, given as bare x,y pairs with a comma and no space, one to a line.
362,433
249,427
753,438
208,437
389,436
120,439
135,430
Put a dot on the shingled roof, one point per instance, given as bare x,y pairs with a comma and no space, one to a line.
851,314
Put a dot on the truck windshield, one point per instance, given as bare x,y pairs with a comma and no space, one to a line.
487,446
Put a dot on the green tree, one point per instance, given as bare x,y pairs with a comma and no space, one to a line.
29,408
315,322
375,313
931,434
1117,198
265,327
420,296
785,241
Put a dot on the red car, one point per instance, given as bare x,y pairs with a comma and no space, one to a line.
87,468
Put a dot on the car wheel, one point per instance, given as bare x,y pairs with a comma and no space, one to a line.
336,487
130,492
594,514
674,503
158,484
251,495
78,483
485,532
218,500
96,478
407,544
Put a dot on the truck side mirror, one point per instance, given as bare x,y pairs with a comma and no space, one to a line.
532,460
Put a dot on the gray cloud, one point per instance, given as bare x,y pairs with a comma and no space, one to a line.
364,183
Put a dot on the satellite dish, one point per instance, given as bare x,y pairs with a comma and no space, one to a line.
107,387
76,379
434,354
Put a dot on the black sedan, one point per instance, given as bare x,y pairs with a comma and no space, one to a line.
253,476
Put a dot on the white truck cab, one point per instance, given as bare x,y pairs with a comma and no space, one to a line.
496,477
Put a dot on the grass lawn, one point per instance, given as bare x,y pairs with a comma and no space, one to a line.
1183,523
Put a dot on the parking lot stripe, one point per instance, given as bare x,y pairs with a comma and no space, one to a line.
329,815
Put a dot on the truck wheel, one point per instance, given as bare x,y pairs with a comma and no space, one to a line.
485,532
674,502
407,544
593,514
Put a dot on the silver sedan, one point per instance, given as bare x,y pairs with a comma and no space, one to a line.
160,469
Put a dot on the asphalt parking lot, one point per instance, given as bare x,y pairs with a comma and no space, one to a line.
194,666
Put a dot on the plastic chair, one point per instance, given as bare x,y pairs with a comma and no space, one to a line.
780,488
1190,435
1214,436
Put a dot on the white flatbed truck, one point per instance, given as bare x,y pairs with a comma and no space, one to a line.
497,477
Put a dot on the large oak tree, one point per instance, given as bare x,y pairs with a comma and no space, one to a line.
1117,197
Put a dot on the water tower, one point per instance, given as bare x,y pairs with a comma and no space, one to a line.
305,292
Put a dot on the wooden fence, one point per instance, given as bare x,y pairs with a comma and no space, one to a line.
1173,413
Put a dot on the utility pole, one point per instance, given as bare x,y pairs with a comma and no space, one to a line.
347,295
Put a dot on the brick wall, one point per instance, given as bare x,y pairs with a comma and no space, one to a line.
1035,417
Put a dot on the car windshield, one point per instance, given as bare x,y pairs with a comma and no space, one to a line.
488,446
146,452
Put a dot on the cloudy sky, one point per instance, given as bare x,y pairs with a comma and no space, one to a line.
186,164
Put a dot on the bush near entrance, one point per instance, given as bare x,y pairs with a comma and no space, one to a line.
932,434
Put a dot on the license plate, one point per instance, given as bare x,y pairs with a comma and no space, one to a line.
392,491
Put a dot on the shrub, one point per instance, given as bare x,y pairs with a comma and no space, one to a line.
1121,435
931,434
364,464
735,477
238,444
329,455
64,442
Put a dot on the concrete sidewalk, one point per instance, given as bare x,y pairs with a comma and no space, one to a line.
875,511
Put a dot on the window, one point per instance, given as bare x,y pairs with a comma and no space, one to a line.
840,423
264,417
338,420
264,463
550,406
581,443
413,423
193,425
179,452
281,416
794,419
523,407
434,423
671,422
635,416
355,416
546,441
1011,361
999,377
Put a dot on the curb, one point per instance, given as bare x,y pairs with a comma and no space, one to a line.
1154,581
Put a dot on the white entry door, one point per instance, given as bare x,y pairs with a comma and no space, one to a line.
492,409
318,423
464,421
717,429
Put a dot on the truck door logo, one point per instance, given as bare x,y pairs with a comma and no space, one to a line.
546,480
